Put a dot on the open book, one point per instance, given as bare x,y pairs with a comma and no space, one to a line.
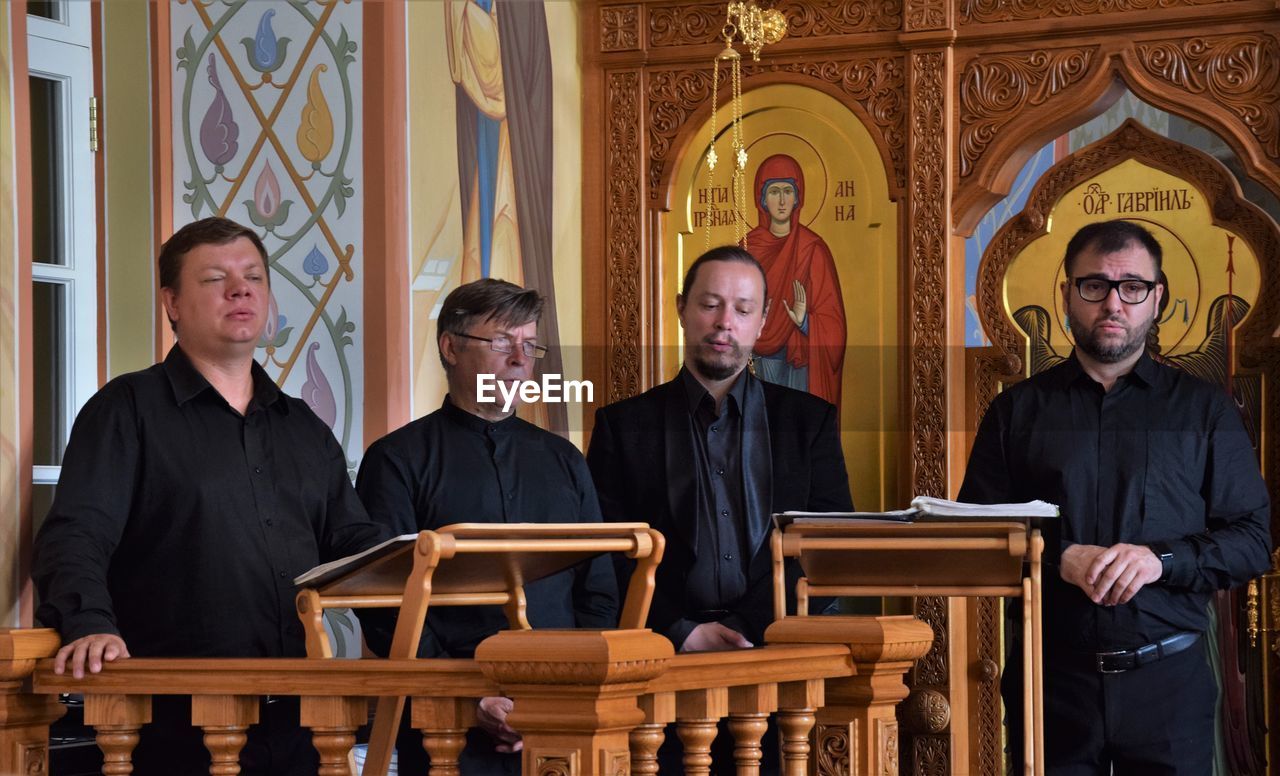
327,572
927,508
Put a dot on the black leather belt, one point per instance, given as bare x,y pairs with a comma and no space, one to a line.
1121,660
708,615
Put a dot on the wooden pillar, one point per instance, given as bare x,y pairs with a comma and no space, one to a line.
333,721
25,717
798,703
443,723
117,720
698,713
857,730
225,720
576,694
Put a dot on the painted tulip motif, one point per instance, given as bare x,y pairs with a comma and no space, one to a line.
218,131
267,209
315,129
264,52
275,335
316,264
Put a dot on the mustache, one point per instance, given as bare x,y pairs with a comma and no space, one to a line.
710,339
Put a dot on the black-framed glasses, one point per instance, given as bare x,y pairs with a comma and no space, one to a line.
504,344
1131,290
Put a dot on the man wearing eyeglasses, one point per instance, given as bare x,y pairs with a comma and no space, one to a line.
473,461
1162,504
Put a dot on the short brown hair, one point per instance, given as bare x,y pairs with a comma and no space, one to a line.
487,299
1113,236
213,230
730,253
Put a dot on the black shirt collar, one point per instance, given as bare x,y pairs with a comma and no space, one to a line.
187,382
1144,370
696,393
475,422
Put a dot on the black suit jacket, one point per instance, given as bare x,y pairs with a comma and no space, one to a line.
641,458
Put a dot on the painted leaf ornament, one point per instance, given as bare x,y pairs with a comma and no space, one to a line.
315,130
315,263
218,130
316,391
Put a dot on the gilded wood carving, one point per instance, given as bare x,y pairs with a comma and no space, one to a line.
688,24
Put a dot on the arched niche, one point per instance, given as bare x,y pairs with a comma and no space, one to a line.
1012,101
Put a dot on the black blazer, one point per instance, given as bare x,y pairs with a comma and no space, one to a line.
641,458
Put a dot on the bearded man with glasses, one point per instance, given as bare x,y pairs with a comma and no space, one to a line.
1162,504
473,461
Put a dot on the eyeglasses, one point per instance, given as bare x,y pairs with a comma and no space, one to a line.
1131,291
504,344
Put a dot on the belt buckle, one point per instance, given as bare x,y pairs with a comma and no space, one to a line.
1101,657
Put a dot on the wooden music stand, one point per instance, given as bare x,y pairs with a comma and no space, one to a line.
470,564
930,557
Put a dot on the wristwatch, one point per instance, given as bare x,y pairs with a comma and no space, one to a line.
1165,553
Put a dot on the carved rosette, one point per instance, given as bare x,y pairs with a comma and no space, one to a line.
34,759
987,11
836,749
699,23
620,28
995,89
617,763
1239,72
925,15
927,212
623,228
926,711
556,764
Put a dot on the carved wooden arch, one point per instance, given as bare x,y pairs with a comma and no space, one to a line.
1258,352
1014,102
869,86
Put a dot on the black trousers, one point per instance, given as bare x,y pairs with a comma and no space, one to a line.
1153,720
276,746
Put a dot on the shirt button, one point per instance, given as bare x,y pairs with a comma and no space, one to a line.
720,472
269,522
728,556
714,429
257,470
284,575
724,513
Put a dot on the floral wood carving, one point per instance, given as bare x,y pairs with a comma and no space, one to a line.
997,88
557,764
887,741
985,11
698,23
927,245
617,763
1239,72
926,711
926,15
620,28
932,669
837,749
623,229
876,84
990,748
932,756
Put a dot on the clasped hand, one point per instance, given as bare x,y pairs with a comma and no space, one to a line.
1110,575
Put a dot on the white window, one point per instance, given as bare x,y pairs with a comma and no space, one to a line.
64,240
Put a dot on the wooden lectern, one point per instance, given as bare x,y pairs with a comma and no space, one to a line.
928,557
469,564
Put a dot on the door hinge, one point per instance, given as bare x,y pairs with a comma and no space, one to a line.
93,124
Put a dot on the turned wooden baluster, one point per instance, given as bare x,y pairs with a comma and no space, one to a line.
333,720
646,739
117,720
225,720
697,714
749,709
444,723
797,707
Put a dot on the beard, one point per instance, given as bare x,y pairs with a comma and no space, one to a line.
1112,352
719,366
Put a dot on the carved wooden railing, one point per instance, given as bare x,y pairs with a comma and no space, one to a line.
588,703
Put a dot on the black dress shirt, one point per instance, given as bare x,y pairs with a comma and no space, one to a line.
454,467
1162,456
718,576
179,523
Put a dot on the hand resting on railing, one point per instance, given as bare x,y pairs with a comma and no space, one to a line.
92,650
712,637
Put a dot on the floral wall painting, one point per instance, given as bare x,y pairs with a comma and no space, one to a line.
267,131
